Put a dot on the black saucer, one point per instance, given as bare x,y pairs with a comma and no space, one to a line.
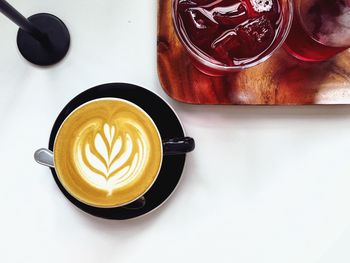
168,125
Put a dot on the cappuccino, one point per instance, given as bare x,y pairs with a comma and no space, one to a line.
108,152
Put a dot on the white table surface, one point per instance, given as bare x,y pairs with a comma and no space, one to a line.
265,184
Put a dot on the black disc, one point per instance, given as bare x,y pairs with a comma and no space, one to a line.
168,125
44,53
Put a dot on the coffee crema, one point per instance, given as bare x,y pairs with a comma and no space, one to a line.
107,152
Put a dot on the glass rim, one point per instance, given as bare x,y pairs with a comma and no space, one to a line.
202,57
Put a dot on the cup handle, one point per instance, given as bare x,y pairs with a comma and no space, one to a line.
176,146
44,157
173,146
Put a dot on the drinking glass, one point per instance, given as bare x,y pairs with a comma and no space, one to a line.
203,60
320,30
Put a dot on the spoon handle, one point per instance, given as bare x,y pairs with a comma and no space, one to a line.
45,157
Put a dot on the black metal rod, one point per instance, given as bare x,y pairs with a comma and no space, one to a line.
20,20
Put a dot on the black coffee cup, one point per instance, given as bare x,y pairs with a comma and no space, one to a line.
171,146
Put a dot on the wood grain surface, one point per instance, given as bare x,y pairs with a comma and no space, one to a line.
282,80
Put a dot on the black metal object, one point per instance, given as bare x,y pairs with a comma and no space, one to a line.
176,146
43,39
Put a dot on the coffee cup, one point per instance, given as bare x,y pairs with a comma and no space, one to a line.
108,153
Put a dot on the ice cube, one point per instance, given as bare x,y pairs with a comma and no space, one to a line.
226,47
185,4
233,14
255,36
262,5
199,25
200,18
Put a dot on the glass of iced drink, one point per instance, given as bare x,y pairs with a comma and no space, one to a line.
223,36
320,30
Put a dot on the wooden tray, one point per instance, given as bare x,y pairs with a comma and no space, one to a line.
282,80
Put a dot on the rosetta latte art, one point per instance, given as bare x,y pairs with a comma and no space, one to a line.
111,159
108,152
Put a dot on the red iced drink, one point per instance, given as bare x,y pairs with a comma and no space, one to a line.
320,30
229,33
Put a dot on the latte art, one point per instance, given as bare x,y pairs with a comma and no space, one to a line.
107,152
112,159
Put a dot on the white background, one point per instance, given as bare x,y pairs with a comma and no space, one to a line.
265,184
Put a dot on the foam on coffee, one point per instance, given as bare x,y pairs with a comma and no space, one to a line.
107,152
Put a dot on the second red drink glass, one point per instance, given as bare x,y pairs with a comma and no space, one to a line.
320,30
